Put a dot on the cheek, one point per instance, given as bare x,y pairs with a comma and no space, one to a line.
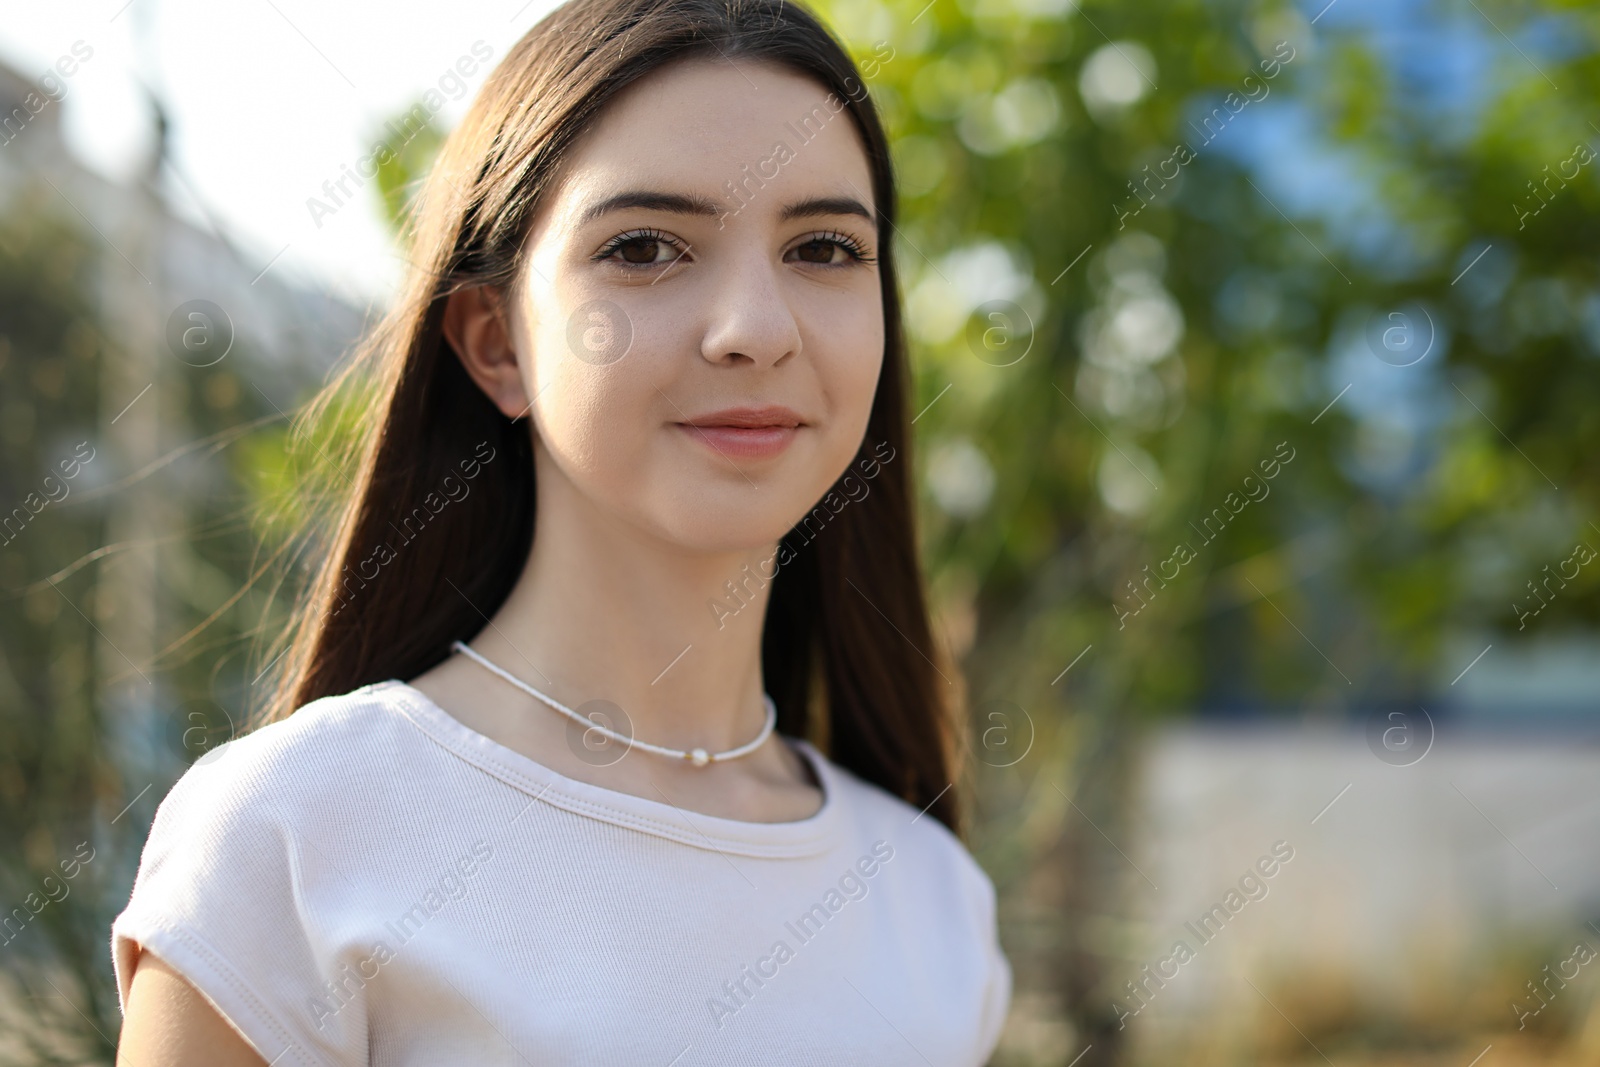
591,412
847,349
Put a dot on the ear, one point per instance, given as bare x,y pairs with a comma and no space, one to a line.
476,327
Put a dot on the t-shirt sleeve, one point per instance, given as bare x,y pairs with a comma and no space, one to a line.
219,898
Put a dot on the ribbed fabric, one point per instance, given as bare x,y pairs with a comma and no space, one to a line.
371,881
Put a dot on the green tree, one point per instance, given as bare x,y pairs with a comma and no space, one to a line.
1164,320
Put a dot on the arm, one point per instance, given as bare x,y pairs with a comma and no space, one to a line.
168,1022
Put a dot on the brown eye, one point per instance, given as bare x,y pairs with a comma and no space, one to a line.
821,250
641,250
816,251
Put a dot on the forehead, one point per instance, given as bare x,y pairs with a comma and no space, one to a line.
704,126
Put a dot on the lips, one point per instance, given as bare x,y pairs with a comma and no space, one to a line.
745,433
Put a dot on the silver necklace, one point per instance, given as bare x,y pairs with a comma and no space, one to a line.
697,756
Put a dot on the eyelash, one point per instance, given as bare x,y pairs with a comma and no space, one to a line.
621,239
851,244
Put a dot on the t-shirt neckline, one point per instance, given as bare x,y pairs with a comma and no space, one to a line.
801,837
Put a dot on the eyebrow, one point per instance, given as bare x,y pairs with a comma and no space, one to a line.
679,204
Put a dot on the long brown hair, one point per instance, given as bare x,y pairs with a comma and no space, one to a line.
847,641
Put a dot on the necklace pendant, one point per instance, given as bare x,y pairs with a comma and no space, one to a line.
699,756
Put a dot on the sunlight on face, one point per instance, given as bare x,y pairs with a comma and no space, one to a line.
701,321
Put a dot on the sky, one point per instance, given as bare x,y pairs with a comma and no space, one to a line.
267,100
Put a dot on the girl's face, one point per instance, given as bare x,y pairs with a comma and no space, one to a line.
699,327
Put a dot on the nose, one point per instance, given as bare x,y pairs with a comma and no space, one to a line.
749,319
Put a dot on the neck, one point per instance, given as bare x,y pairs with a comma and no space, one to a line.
603,610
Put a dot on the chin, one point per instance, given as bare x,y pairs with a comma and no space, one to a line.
732,525
726,514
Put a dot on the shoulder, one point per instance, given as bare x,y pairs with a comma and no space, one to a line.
242,880
940,857
324,750
246,819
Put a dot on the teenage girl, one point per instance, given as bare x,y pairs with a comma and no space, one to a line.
618,734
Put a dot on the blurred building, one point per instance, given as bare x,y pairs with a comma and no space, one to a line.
295,331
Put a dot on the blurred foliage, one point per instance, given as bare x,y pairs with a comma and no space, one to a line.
71,739
1167,319
51,773
402,168
288,472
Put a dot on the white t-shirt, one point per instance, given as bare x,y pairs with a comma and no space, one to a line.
371,881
